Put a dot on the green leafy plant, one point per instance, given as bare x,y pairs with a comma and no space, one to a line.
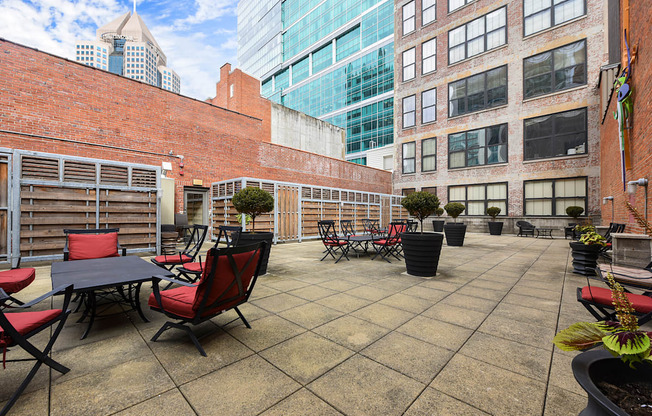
582,229
454,209
493,212
621,338
439,211
421,205
592,238
253,202
247,218
574,211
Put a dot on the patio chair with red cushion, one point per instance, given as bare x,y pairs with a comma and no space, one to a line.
14,280
17,327
389,245
226,283
332,241
189,253
93,243
190,272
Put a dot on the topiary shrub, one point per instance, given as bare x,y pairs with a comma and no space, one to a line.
493,212
253,202
439,212
454,209
421,205
574,211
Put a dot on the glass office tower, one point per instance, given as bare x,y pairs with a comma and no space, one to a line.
330,59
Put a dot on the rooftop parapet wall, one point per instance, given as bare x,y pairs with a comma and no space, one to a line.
54,105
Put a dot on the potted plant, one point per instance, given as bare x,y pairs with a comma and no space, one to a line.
438,225
421,250
252,202
495,227
586,251
454,231
574,212
625,368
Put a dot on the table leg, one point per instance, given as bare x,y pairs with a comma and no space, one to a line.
137,303
92,306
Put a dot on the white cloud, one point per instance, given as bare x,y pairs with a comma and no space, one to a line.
208,10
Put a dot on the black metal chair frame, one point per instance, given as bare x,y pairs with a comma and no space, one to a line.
67,232
222,254
22,341
390,244
614,228
525,228
570,231
231,235
605,311
191,250
332,241
13,300
370,226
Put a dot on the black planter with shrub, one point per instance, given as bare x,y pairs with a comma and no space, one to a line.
421,250
454,231
585,258
438,225
495,227
252,202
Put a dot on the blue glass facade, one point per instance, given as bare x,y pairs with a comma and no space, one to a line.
338,65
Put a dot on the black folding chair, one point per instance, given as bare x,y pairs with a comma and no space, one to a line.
189,253
16,327
190,272
388,246
332,241
370,226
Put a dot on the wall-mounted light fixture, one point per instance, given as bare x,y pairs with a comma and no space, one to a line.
604,202
631,189
165,168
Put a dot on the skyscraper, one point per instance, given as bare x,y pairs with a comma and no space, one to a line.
331,59
126,47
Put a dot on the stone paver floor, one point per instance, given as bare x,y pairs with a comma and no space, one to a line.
355,338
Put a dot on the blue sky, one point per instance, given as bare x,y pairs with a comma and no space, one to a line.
197,36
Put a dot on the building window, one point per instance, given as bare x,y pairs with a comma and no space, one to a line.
409,111
555,70
408,18
428,155
409,64
539,15
484,146
428,11
482,34
551,197
429,56
429,106
430,189
478,92
407,191
555,135
409,157
477,198
388,162
456,4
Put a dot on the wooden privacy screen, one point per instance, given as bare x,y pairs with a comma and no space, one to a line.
56,193
299,207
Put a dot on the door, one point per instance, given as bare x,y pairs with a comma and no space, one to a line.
195,200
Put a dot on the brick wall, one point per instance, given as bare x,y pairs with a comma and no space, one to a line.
589,27
640,35
88,112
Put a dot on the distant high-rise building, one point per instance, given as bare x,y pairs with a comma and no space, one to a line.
126,47
333,60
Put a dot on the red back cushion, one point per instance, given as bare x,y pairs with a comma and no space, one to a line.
91,246
224,276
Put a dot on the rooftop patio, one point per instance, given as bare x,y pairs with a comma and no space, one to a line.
356,338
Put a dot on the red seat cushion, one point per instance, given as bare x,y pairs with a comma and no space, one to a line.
177,301
92,246
173,259
196,267
13,281
641,303
335,243
25,322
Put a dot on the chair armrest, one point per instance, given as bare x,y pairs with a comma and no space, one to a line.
56,291
158,278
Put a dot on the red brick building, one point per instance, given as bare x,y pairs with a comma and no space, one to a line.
636,18
496,104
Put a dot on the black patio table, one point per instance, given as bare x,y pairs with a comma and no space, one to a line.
90,276
358,240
